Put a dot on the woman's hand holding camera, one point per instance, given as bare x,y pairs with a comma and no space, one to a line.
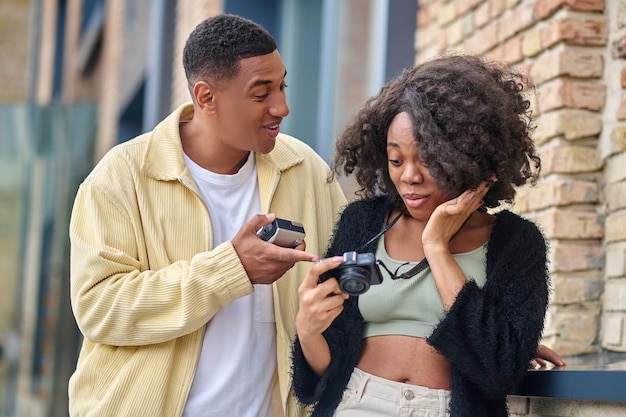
320,304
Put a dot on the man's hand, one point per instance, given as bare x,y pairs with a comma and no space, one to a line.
265,262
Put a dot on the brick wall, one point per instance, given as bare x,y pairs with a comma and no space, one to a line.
15,42
613,153
564,46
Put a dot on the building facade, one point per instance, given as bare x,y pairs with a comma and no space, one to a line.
103,71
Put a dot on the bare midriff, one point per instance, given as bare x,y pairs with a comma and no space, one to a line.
405,359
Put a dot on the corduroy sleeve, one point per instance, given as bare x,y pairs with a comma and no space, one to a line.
122,294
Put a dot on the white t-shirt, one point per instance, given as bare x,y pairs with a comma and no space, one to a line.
237,364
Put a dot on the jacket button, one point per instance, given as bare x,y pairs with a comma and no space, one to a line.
408,395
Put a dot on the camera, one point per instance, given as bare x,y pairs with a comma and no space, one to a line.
356,273
281,232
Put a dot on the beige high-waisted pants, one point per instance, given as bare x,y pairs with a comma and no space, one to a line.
370,396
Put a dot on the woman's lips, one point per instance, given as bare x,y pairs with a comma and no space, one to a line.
414,200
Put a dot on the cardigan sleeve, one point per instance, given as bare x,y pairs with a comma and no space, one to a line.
120,300
345,344
357,224
490,334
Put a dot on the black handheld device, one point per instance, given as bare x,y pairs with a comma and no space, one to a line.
356,273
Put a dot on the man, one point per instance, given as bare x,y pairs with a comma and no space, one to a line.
180,303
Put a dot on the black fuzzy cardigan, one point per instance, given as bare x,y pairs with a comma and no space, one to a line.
489,335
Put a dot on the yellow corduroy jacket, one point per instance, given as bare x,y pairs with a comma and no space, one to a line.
144,280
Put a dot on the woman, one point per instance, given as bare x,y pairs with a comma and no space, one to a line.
459,314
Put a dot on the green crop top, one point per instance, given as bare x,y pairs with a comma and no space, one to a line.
411,307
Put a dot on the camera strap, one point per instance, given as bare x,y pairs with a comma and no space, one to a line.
382,232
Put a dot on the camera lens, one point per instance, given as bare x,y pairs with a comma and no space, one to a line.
354,281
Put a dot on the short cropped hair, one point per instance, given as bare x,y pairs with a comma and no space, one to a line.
471,122
215,47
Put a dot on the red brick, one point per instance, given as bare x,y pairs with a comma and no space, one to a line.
424,17
620,114
572,94
567,257
570,224
467,5
574,31
568,62
569,160
481,16
544,8
520,19
496,8
512,50
484,39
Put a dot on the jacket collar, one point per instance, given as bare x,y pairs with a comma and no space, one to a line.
163,158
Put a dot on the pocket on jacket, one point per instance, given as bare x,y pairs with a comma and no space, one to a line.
113,361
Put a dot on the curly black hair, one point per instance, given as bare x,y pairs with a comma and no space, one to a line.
215,47
471,121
